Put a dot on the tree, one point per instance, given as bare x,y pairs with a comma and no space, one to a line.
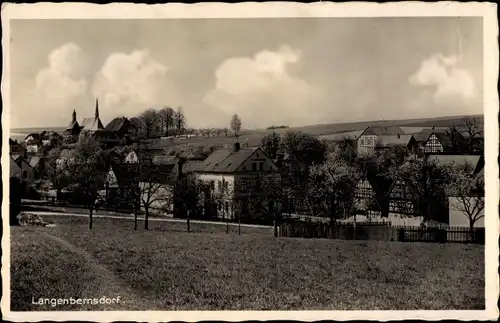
425,181
472,131
346,148
150,118
154,190
140,125
468,190
180,120
332,188
265,197
226,131
236,124
271,144
188,189
166,118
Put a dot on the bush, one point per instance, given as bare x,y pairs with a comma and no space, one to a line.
32,219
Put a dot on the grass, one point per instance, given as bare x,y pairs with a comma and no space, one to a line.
168,269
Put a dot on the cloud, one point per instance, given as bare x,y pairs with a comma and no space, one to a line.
449,82
130,83
262,89
62,81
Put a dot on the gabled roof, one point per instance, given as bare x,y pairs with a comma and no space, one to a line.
443,139
72,125
17,158
34,161
422,136
393,140
381,130
226,160
15,169
117,123
92,124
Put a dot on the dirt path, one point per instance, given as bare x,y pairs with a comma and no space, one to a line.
110,286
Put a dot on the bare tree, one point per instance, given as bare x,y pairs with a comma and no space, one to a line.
472,131
468,190
150,118
154,189
166,118
180,120
236,124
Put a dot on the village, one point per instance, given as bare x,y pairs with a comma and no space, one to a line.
146,167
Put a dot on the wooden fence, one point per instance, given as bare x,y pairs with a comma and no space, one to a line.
383,232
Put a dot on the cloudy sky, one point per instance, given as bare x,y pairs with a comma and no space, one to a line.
293,71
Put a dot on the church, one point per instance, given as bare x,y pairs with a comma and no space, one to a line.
119,130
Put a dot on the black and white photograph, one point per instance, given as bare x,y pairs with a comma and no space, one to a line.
242,157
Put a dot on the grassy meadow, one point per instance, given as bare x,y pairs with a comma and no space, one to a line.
167,268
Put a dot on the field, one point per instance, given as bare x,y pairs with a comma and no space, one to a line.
167,268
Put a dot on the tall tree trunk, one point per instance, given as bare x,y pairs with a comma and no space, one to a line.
136,211
471,230
239,223
146,218
188,222
90,218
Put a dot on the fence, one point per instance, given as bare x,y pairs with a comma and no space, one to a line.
381,232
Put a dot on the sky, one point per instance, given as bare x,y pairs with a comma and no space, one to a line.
273,71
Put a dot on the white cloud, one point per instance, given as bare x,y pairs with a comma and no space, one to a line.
62,81
129,83
262,90
450,82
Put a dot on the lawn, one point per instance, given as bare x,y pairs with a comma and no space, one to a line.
167,268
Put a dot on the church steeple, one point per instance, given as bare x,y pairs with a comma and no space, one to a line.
96,108
73,119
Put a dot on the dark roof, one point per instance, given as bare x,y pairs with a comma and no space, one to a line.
117,123
92,124
381,130
15,169
393,140
161,174
161,160
34,135
443,139
72,125
226,160
422,136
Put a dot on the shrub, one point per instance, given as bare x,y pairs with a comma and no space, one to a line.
32,219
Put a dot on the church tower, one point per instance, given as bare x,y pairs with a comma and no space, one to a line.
96,108
73,119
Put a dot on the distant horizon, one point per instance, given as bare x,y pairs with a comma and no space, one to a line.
62,127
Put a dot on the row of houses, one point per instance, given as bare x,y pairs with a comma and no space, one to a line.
429,140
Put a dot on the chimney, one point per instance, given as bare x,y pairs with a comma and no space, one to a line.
236,146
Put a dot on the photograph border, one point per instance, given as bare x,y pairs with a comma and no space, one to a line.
274,10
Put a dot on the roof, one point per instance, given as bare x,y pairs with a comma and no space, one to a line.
162,174
393,140
226,160
161,159
423,135
117,123
381,130
92,124
34,135
72,125
15,169
34,161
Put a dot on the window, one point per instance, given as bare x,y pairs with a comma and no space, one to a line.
254,166
261,166
227,206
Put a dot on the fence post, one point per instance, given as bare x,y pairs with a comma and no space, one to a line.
401,234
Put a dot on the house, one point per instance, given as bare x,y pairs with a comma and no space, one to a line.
94,123
389,141
33,143
367,141
230,173
366,198
16,148
143,155
20,168
156,185
123,128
